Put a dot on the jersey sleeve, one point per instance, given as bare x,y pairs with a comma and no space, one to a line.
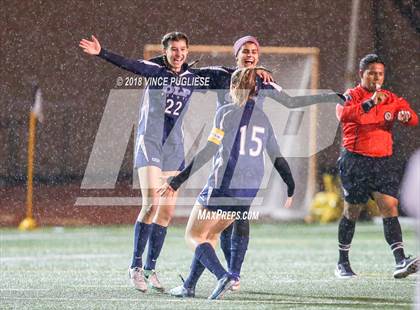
219,126
279,162
276,92
201,158
351,111
141,67
219,76
272,146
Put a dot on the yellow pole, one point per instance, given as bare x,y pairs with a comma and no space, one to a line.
29,222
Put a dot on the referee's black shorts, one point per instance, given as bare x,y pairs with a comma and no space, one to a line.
361,175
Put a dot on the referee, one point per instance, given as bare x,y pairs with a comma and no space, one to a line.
365,165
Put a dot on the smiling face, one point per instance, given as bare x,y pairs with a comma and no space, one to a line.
373,76
248,56
176,54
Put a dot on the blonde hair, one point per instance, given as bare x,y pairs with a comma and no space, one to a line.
243,85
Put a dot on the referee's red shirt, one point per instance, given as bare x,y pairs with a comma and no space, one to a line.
370,133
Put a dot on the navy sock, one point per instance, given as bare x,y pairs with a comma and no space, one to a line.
207,256
156,239
239,247
141,235
345,236
225,242
393,235
196,271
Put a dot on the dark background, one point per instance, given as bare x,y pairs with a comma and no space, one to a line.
39,44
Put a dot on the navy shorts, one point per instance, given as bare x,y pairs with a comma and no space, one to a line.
168,157
361,175
223,203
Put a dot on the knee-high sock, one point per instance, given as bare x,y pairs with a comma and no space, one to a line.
393,235
345,236
196,270
239,247
141,235
225,242
207,256
156,240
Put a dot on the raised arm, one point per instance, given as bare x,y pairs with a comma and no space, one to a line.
277,93
141,67
219,76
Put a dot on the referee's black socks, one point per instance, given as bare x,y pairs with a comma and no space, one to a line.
345,236
393,235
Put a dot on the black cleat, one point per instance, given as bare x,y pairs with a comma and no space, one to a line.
406,267
223,285
344,271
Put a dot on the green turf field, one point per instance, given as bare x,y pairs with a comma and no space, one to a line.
287,266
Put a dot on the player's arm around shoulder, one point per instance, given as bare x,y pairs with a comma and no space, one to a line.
219,76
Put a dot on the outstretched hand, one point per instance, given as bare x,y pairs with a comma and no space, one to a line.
90,47
166,191
288,202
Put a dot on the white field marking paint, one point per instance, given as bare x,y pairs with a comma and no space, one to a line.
59,236
72,286
180,300
24,289
53,257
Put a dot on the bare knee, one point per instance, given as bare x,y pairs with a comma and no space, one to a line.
388,205
351,211
194,239
164,215
147,213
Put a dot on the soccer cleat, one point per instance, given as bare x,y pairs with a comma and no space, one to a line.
153,280
236,286
136,276
406,267
181,291
223,285
344,271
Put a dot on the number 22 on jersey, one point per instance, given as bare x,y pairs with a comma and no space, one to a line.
173,107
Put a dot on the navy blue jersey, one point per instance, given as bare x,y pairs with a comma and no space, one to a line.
242,135
166,100
220,82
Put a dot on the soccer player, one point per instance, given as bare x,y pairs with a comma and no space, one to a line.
235,238
365,164
240,134
159,150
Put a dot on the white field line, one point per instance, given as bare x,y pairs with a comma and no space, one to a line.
58,236
23,289
309,302
60,257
